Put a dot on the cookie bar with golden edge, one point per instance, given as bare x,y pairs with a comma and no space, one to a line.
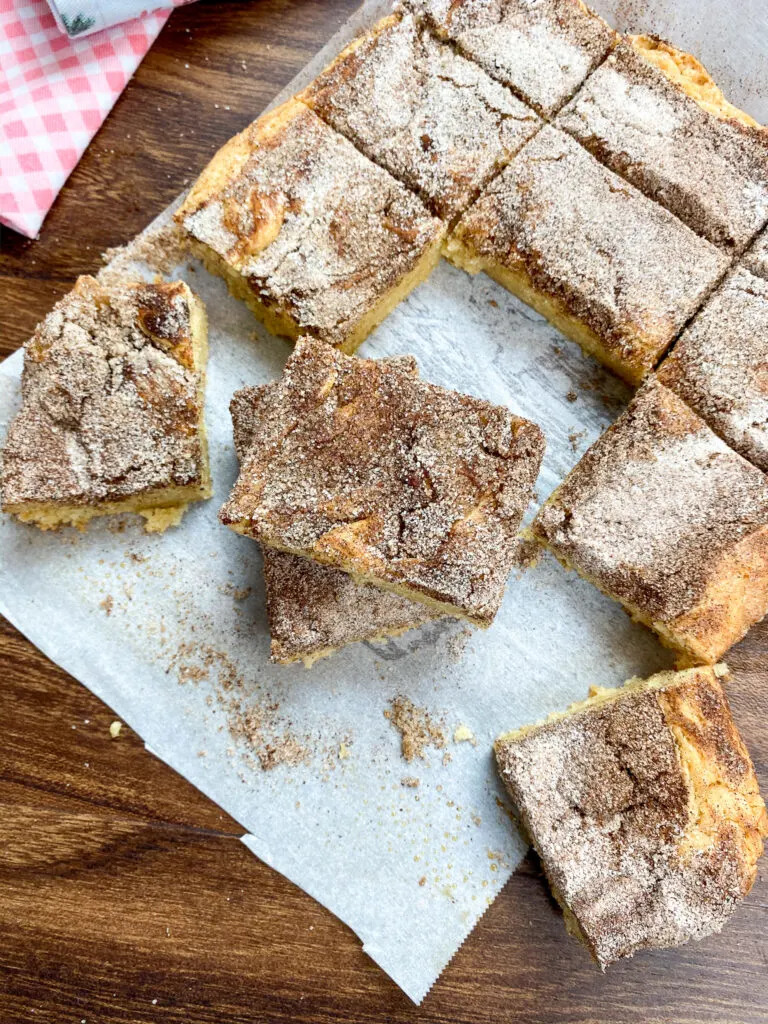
679,144
643,805
719,365
611,269
664,517
361,465
315,610
314,237
543,51
111,419
413,105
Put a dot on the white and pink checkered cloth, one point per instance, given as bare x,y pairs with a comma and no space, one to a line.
55,92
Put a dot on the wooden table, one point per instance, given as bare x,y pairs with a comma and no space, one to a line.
121,887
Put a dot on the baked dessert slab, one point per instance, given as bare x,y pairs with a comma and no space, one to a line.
611,269
432,118
362,466
643,805
653,114
719,365
308,232
664,517
315,610
112,413
543,51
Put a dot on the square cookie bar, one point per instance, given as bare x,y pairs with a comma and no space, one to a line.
543,51
611,269
315,610
111,416
314,237
719,366
662,516
362,466
643,805
653,114
413,105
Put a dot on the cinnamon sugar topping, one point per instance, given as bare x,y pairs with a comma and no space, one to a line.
111,399
710,172
362,466
542,50
432,118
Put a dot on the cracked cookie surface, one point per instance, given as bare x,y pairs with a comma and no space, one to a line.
362,466
719,365
305,229
112,406
663,516
543,51
643,805
709,171
608,266
432,118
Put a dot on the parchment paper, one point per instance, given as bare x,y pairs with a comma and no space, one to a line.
170,630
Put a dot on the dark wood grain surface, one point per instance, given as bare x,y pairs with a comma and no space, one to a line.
125,895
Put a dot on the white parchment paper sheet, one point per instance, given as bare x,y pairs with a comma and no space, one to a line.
170,630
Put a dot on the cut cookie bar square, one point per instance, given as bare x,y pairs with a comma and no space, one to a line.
413,105
111,418
360,465
654,115
315,610
663,516
543,51
314,237
611,269
719,366
643,805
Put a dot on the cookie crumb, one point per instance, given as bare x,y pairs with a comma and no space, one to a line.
114,729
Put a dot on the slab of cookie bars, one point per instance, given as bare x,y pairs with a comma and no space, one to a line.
706,162
314,237
543,51
315,610
719,365
413,105
663,516
643,805
611,269
111,418
361,465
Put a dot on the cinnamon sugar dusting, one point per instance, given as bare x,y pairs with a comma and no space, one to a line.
654,506
365,467
317,231
709,171
542,50
618,262
111,401
413,105
418,729
608,799
719,366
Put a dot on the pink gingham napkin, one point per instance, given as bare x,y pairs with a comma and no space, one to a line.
55,92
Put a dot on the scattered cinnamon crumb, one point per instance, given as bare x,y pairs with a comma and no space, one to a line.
463,734
416,728
107,604
457,643
423,880
410,781
575,437
571,396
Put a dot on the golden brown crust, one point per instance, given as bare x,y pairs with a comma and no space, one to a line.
661,515
112,407
620,273
408,486
708,168
313,235
433,119
645,809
